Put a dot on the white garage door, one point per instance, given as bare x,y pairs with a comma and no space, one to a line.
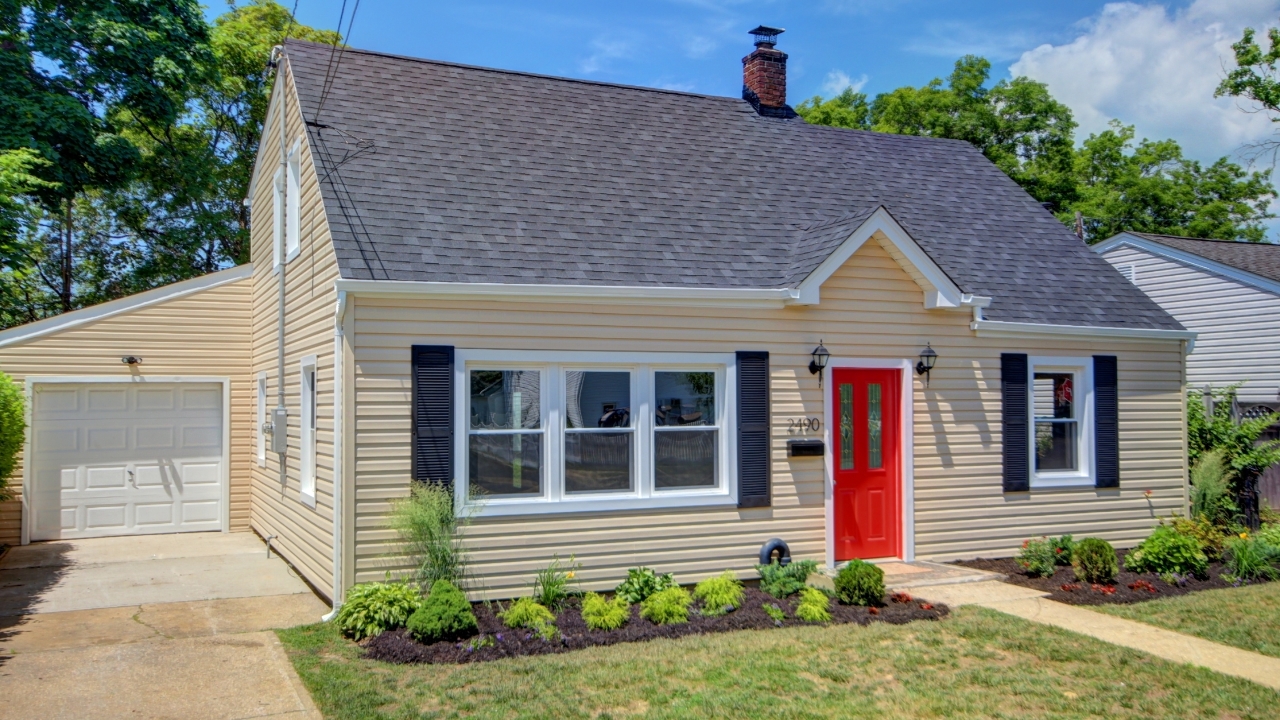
125,458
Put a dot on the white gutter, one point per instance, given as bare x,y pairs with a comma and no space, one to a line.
339,411
731,297
997,329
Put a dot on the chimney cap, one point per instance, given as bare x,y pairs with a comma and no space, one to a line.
766,36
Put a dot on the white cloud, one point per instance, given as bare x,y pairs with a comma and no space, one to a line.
1157,68
604,51
837,80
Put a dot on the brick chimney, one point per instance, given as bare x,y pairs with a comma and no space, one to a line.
764,75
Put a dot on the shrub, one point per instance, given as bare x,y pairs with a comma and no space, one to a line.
1094,561
1209,536
1270,534
1063,547
430,529
551,585
445,614
814,606
775,612
719,594
667,607
527,613
374,608
642,582
783,580
1168,551
1252,558
601,614
1037,557
1211,496
860,583
13,428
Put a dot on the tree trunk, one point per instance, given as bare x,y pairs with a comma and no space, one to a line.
65,294
1249,502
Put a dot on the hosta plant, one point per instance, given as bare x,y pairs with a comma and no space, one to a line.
374,608
642,582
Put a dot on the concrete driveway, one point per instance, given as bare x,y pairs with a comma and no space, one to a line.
160,626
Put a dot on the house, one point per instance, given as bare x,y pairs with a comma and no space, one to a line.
639,326
1228,292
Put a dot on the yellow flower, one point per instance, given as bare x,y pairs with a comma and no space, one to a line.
569,575
1244,536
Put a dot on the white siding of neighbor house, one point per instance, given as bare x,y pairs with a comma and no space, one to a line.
198,334
871,308
1238,324
303,535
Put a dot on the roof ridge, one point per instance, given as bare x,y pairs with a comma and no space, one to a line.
1207,240
523,73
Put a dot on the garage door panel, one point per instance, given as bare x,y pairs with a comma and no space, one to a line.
127,459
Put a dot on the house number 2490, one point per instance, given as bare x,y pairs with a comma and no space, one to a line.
802,426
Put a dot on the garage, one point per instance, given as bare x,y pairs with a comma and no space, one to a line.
115,456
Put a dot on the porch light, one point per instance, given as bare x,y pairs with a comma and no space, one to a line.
819,361
927,360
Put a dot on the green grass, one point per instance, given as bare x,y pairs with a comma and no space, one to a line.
1247,617
978,663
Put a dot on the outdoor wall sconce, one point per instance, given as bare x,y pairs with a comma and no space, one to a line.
819,361
928,358
131,360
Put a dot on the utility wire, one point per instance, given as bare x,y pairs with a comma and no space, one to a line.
335,55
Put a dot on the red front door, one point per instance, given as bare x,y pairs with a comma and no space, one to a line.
865,448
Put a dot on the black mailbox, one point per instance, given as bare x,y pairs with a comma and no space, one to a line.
805,447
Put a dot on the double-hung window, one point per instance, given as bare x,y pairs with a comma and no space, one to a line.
551,432
1062,416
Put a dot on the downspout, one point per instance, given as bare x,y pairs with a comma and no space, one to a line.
284,244
339,411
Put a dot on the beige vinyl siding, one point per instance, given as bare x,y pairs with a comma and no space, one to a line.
199,334
1239,324
303,535
870,309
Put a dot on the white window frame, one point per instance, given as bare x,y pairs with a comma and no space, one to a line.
308,424
1082,369
293,204
277,219
552,367
262,418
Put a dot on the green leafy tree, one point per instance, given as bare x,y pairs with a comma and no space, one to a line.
1255,79
1216,428
848,109
13,428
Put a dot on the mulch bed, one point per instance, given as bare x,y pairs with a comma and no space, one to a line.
397,646
1064,587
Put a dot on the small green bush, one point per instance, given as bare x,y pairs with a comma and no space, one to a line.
445,614
642,582
1168,551
783,580
1063,547
720,594
1211,495
775,612
1210,537
13,429
814,606
1270,534
527,613
860,583
374,608
1252,558
1094,561
667,607
1037,557
551,585
601,614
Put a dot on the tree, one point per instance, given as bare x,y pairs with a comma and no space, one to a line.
849,109
1255,78
13,428
1216,428
1152,188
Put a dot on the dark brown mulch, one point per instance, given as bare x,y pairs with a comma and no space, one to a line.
1085,594
396,646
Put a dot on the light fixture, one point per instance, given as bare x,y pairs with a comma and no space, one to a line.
819,361
927,360
131,360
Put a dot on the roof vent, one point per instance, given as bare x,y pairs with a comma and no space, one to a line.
766,36
764,75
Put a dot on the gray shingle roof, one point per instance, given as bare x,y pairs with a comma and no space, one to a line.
463,174
1261,259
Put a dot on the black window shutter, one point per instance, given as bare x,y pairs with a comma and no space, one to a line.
433,413
754,452
1014,397
1106,421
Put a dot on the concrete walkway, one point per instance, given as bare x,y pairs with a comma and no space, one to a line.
1032,605
166,626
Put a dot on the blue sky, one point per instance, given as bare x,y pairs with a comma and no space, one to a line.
1151,64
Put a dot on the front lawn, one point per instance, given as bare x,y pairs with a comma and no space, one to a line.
1247,617
977,663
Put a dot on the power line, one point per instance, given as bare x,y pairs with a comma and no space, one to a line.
292,14
335,55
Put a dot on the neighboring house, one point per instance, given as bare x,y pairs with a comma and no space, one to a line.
597,305
1228,292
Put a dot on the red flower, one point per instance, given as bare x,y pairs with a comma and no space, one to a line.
1070,587
926,606
874,611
